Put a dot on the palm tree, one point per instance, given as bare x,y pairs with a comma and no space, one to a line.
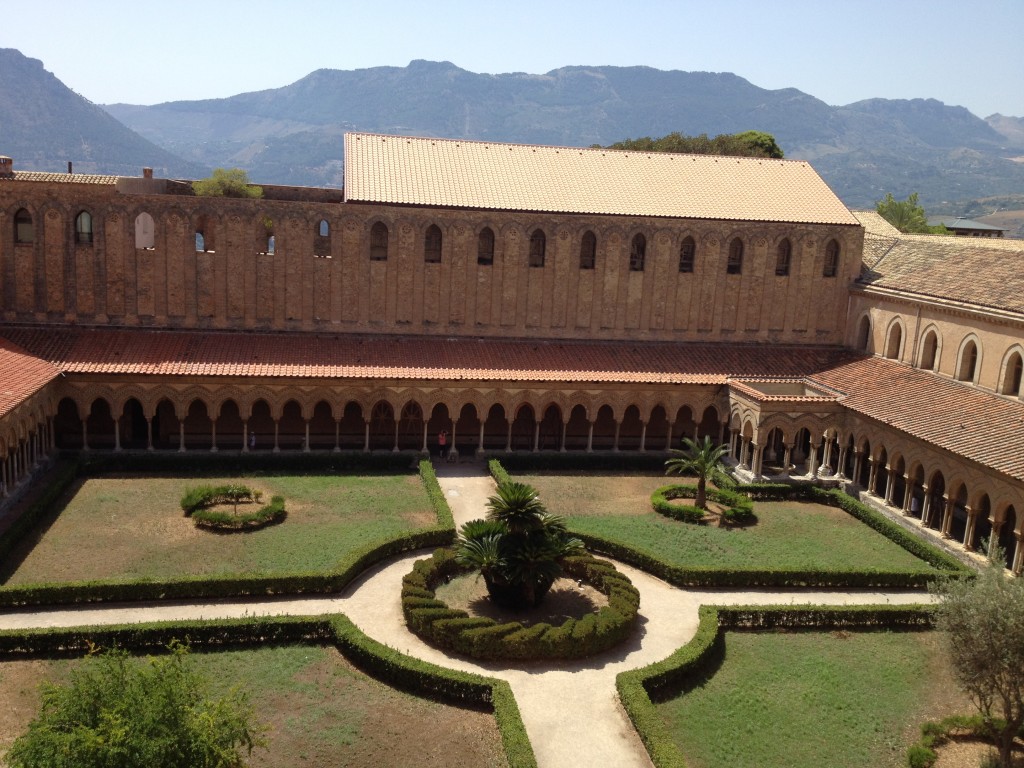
518,506
700,459
518,548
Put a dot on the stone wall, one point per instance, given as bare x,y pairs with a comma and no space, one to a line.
330,284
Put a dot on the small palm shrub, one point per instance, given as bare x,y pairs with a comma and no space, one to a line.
518,549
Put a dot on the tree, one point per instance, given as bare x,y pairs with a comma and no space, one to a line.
701,459
118,711
983,619
518,549
907,215
227,183
746,144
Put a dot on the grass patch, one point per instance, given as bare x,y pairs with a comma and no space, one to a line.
788,535
320,711
132,528
814,699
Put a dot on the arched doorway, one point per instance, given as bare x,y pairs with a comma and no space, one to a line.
67,425
230,426
382,426
410,427
522,429
630,429
100,425
683,426
577,430
604,429
467,435
198,427
936,500
550,438
134,426
323,428
709,425
261,427
982,525
657,430
352,430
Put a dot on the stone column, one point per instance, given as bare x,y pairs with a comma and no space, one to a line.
305,445
858,462
668,438
277,433
508,440
971,527
536,436
394,448
841,469
758,457
812,461
480,440
561,445
85,434
181,436
1018,557
452,450
643,436
149,433
615,445
947,517
366,436
245,437
787,457
721,432
337,436
890,486
117,435
993,540
424,448
213,436
590,437
926,505
872,475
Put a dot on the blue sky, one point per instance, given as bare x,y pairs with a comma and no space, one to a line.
145,52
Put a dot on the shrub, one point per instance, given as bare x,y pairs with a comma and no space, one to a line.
739,509
485,638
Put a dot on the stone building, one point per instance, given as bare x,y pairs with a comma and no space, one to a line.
522,298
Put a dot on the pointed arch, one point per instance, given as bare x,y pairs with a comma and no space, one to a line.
538,248
734,262
432,241
687,254
588,250
1011,370
379,241
83,228
931,348
485,247
894,339
831,265
968,360
783,255
637,253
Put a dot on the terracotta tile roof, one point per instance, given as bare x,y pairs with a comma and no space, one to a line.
21,375
961,418
473,174
61,178
982,272
184,353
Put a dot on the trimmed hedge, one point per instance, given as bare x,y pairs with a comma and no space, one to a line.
200,463
484,638
640,689
527,461
380,662
739,509
197,501
244,585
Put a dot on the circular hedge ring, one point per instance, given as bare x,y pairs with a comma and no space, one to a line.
197,503
483,638
739,510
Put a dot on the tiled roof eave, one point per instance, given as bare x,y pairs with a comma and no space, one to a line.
930,299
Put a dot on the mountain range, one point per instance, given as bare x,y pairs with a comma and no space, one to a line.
292,135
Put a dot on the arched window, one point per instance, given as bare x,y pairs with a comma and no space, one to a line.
145,231
485,247
864,333
687,254
1010,384
379,242
271,245
538,244
968,364
831,268
588,250
24,232
637,253
432,245
894,342
205,240
322,240
734,264
782,257
83,228
929,350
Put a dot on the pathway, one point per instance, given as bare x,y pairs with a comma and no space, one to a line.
570,709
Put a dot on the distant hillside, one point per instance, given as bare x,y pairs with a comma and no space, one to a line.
293,135
44,124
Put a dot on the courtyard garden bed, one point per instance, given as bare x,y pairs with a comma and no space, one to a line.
215,507
321,686
501,634
118,537
795,542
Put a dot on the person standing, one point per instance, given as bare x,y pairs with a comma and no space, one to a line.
442,443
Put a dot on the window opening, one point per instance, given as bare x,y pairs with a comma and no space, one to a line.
588,250
782,258
485,247
379,242
538,244
637,253
83,228
432,245
687,252
734,265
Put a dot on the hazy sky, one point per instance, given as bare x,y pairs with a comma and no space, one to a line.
145,52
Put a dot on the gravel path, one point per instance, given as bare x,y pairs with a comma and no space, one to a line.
570,709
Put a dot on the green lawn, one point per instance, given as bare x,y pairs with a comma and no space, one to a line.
815,700
319,711
133,528
788,535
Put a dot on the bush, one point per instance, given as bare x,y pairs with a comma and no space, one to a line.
920,756
114,712
484,638
739,510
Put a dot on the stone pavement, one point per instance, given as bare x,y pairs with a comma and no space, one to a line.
570,709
